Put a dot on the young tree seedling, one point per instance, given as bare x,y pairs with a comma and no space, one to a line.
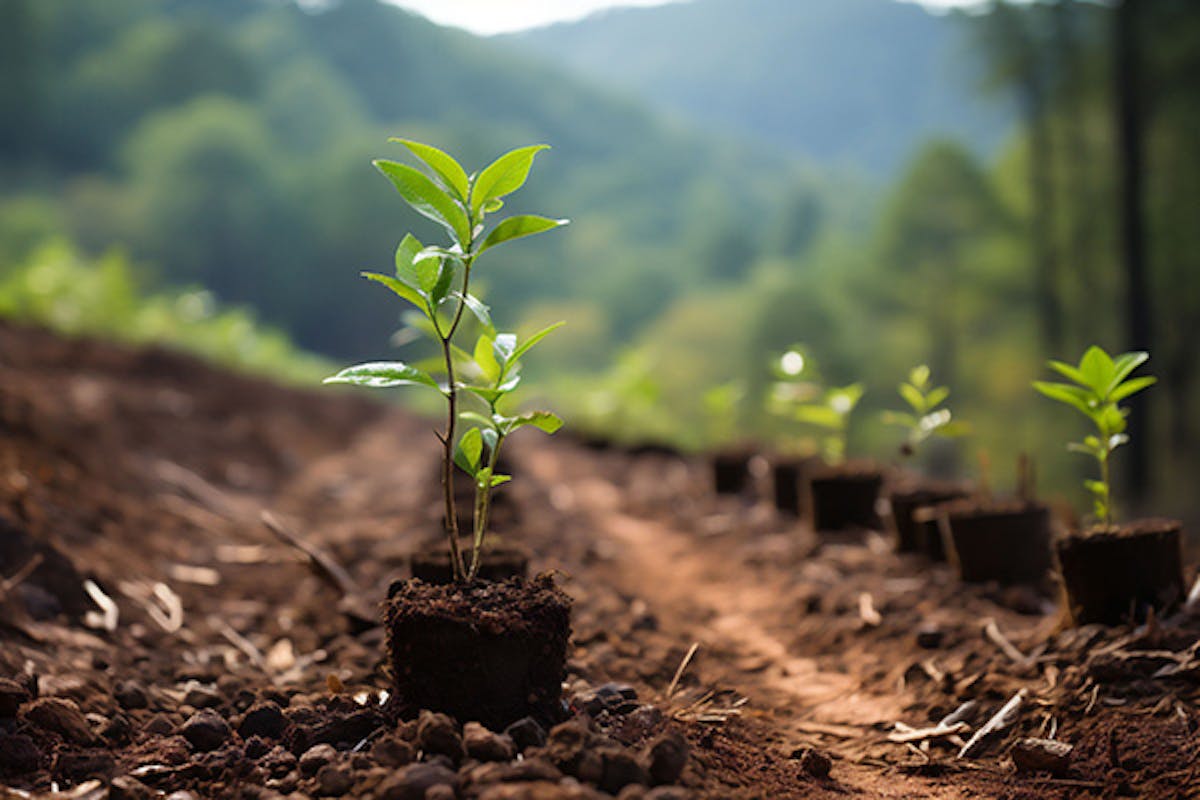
927,417
1098,384
437,281
831,414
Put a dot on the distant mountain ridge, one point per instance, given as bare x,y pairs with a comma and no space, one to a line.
853,82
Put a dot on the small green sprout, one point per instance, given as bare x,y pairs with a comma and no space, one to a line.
1099,384
831,414
927,418
437,281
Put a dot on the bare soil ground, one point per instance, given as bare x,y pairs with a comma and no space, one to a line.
156,637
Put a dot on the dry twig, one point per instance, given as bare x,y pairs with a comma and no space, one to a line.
1002,719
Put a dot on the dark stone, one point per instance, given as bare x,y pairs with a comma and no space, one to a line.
437,733
316,757
930,637
206,730
412,782
392,751
350,729
526,732
201,697
815,763
665,758
619,769
334,780
483,745
12,696
266,720
74,766
18,754
59,716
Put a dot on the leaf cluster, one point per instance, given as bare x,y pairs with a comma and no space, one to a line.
436,281
926,417
1097,386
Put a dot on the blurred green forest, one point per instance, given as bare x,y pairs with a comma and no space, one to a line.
226,144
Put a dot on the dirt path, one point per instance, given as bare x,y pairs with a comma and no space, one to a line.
699,593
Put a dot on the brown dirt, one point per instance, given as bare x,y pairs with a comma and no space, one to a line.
146,472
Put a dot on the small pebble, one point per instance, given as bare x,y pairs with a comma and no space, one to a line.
316,757
334,780
437,733
526,732
665,758
61,716
205,730
483,745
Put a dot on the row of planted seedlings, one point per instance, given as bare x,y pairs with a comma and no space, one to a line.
1108,572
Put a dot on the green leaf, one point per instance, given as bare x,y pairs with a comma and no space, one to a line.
383,374
936,397
504,175
821,416
502,347
919,377
492,206
451,173
475,416
543,420
476,306
1131,387
426,197
1098,488
1069,372
525,346
486,359
899,418
403,290
468,451
487,394
913,397
1127,363
955,429
1098,369
517,227
1116,440
406,254
499,479
1065,393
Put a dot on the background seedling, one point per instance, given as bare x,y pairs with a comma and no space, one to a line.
927,417
1098,384
436,280
807,402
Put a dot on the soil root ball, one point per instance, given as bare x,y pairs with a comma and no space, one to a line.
486,652
60,716
1113,576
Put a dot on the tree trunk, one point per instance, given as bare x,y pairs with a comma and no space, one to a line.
1130,157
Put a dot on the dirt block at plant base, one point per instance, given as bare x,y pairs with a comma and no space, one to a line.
486,652
1008,543
844,497
731,471
786,481
500,560
1113,576
904,502
927,528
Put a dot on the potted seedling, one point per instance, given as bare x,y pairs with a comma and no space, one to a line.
475,649
925,418
842,494
1112,572
731,462
796,381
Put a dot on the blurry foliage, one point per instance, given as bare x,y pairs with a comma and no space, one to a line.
59,287
228,144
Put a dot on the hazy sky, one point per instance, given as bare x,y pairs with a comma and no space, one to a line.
497,16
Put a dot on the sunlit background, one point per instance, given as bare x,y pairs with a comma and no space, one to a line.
885,183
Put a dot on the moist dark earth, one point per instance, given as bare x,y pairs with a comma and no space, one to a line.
157,639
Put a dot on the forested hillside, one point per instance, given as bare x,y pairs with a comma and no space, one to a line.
229,144
855,82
